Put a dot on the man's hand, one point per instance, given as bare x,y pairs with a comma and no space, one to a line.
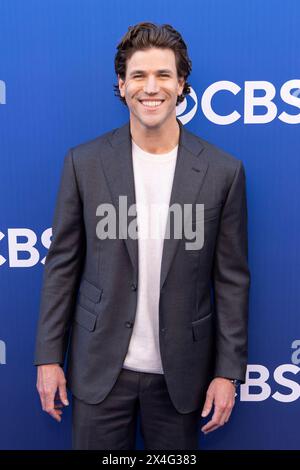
51,385
221,393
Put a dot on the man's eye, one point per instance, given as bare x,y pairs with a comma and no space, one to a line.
161,75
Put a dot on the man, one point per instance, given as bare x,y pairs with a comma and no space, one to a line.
157,326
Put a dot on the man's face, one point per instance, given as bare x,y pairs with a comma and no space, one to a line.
151,86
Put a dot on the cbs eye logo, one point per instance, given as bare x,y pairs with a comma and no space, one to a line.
186,110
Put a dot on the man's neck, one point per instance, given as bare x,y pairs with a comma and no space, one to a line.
161,140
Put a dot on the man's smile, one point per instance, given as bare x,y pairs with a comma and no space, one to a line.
153,104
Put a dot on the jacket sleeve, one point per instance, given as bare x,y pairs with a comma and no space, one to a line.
62,270
231,282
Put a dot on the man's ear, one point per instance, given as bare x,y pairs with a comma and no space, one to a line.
121,84
180,86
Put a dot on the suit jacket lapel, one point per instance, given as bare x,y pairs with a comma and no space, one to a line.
118,168
190,171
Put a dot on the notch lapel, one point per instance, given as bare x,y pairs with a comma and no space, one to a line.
190,170
118,168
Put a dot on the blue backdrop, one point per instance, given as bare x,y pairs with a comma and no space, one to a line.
56,91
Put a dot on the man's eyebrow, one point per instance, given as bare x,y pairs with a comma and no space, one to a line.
143,71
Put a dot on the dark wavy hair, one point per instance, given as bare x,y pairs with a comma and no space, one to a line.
143,36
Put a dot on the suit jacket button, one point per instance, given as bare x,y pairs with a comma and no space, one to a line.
128,324
133,286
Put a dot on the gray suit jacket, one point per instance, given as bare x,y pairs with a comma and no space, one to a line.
89,293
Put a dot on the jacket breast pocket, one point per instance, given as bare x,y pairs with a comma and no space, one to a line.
202,327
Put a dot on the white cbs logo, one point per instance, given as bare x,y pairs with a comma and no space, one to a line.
258,388
289,94
15,247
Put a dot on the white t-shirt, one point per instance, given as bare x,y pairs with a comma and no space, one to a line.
153,179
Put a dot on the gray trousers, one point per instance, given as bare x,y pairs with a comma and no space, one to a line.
111,424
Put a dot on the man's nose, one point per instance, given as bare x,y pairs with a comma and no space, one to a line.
151,85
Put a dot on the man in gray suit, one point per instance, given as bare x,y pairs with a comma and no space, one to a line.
154,324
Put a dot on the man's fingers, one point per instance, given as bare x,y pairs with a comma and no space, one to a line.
55,414
212,425
211,428
50,407
41,395
58,405
49,401
207,406
63,393
218,414
219,418
229,413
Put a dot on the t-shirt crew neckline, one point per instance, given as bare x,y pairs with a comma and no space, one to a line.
157,157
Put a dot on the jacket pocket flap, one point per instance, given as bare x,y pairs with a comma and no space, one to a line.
202,327
90,291
85,318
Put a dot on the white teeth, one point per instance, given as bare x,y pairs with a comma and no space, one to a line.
151,103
